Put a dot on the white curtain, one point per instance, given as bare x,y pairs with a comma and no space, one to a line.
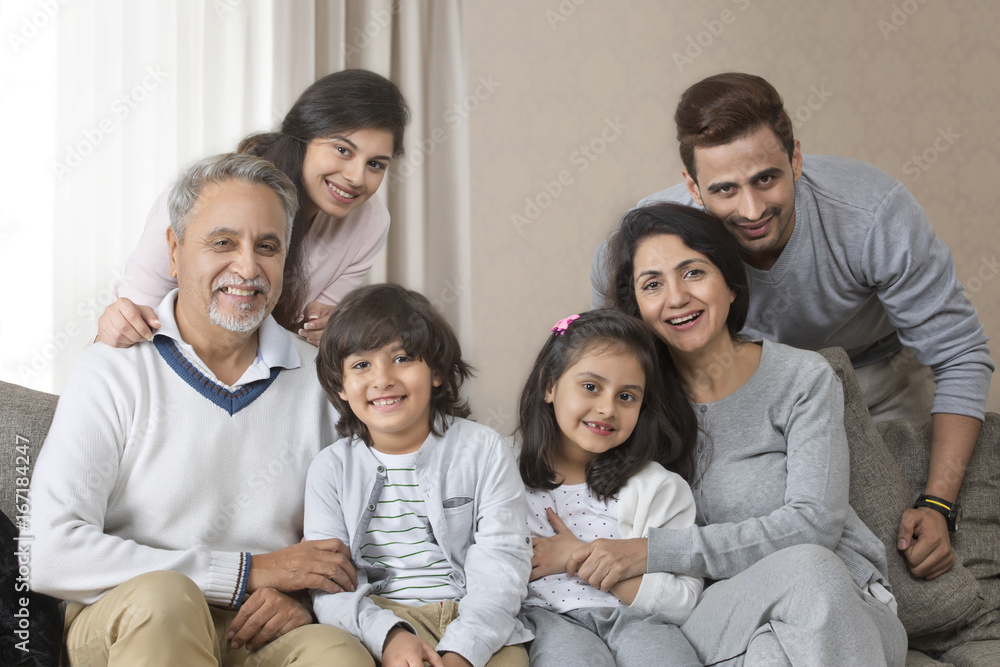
145,87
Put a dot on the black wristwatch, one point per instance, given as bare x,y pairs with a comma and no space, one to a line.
952,511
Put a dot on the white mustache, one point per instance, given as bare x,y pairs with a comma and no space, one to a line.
258,283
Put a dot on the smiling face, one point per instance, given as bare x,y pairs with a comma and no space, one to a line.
229,265
343,171
390,392
681,295
596,403
749,183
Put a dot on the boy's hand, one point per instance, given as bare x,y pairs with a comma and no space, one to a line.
316,315
551,554
321,564
404,649
267,614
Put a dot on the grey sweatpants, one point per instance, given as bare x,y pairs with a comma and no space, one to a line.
798,606
604,636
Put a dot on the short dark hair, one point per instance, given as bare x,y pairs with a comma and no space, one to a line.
345,101
726,107
373,316
699,231
654,438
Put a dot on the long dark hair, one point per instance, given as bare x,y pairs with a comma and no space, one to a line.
654,438
343,101
373,316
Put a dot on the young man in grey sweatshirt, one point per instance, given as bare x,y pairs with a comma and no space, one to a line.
839,253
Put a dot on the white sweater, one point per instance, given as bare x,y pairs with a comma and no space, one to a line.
141,472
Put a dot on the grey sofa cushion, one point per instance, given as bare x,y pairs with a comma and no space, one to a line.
25,416
977,542
880,494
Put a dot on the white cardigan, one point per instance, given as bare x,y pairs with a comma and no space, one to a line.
658,498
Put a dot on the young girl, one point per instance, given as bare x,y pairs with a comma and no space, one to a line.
335,144
595,428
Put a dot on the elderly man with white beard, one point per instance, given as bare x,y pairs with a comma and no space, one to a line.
167,498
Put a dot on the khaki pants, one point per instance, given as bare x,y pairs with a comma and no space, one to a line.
431,620
898,387
161,618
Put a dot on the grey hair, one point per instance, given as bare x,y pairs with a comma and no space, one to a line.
229,167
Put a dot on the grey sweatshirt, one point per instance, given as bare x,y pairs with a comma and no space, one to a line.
773,472
864,271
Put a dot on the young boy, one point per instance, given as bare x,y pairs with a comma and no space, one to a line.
430,504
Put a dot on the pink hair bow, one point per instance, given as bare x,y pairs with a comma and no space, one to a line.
563,324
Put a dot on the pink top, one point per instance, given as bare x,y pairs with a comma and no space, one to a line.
337,254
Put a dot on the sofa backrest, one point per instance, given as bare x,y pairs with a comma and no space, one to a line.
932,611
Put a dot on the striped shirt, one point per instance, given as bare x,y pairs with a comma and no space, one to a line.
398,538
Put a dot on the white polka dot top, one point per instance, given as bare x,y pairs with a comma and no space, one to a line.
589,519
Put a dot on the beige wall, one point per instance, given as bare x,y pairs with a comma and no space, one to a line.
577,73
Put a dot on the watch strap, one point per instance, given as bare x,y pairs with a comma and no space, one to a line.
945,507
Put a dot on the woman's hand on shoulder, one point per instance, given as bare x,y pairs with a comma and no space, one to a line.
124,323
551,554
316,316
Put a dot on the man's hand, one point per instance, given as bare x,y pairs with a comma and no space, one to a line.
924,540
402,648
321,564
603,563
267,614
316,315
550,554
123,324
452,659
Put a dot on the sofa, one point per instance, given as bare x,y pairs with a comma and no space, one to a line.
951,620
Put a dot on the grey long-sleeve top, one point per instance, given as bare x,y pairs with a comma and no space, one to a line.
774,472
